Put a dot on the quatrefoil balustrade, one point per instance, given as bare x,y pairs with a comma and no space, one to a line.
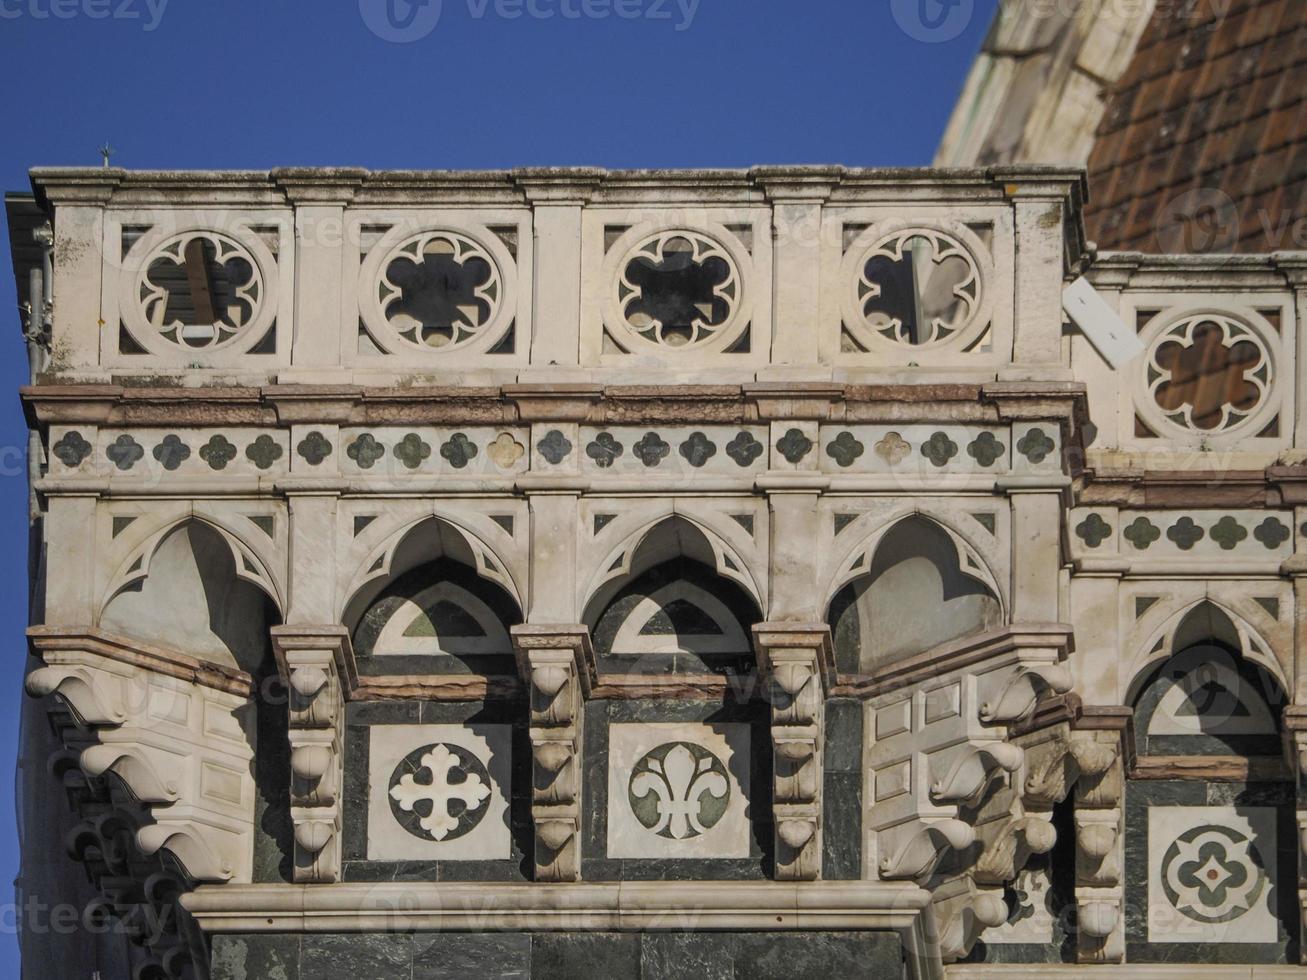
199,291
440,291
915,289
677,289
1208,373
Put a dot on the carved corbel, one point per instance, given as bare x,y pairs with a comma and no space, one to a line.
1099,792
921,845
316,664
962,913
796,662
1007,852
1023,691
556,663
168,729
974,770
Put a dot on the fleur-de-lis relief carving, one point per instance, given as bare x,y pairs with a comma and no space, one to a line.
744,449
124,451
1035,445
892,448
412,450
1141,533
1227,532
458,450
679,790
794,445
314,448
217,452
939,448
171,452
72,449
698,449
472,791
1185,533
651,449
844,449
554,447
1272,533
365,450
604,450
985,449
263,451
1093,530
504,451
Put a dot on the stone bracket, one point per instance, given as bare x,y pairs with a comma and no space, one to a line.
317,665
556,664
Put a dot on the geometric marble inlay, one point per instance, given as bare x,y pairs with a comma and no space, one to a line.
1210,879
678,790
438,792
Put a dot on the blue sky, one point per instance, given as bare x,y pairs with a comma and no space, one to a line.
486,83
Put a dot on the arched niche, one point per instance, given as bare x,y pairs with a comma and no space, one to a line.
433,613
672,610
916,594
192,599
1208,698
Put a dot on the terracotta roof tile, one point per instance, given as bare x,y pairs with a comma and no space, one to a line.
1213,104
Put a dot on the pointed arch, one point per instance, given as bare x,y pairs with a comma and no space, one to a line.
906,589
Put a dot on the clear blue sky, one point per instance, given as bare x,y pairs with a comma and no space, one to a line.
490,83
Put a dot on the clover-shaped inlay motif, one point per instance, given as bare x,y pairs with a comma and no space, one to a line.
72,448
504,451
844,449
314,448
554,447
439,289
1213,874
199,289
365,450
985,449
1272,533
458,450
1093,530
678,288
679,790
217,452
440,792
604,450
1185,533
1035,445
171,452
794,445
1227,532
918,287
1208,372
939,449
697,449
744,449
124,451
651,449
1141,533
892,448
412,450
263,451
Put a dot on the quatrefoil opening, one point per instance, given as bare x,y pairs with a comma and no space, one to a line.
918,288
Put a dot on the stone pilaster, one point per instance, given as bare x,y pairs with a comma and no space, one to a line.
797,663
1099,813
317,665
554,661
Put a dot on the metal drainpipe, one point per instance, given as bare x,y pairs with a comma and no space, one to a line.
37,335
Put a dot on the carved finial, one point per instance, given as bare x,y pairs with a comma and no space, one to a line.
106,151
